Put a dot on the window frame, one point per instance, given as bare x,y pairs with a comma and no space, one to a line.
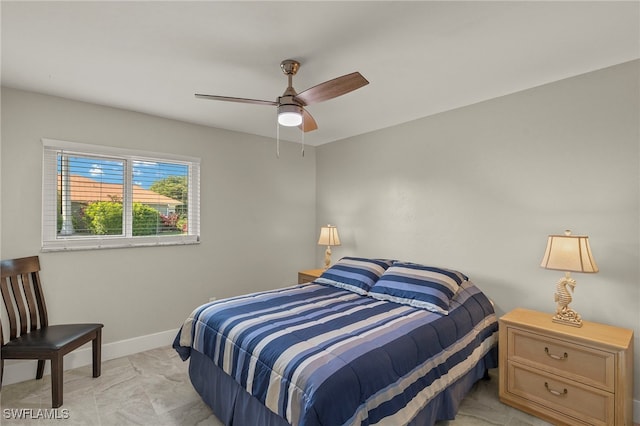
51,241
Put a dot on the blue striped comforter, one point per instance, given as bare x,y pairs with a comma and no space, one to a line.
320,355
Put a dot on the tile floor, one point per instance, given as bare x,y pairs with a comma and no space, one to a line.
153,388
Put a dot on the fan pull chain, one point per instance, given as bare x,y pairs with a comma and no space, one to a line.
302,137
277,137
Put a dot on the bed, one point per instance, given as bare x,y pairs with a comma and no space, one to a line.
372,341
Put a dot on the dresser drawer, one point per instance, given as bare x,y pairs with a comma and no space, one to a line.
585,404
572,361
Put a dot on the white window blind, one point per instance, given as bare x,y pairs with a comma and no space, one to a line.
102,197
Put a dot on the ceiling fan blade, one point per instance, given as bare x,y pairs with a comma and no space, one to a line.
332,88
308,122
230,99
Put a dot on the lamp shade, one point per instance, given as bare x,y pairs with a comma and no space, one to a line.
329,236
569,253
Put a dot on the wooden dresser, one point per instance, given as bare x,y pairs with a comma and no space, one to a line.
566,375
309,275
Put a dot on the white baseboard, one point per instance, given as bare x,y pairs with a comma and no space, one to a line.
20,371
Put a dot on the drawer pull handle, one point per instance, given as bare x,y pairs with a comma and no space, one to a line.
555,392
556,357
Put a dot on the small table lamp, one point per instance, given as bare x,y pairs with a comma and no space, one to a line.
569,253
328,237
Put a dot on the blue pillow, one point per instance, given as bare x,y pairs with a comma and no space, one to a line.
420,286
355,274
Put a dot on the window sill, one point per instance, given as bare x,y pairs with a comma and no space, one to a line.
72,244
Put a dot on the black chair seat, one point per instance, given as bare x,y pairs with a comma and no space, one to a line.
52,338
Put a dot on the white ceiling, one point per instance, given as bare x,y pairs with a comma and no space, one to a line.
420,58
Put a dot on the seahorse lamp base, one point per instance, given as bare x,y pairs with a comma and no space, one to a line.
564,314
569,317
327,257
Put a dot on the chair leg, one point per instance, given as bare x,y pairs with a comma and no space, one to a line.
96,345
40,370
57,369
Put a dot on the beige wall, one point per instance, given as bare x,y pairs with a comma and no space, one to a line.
257,213
480,188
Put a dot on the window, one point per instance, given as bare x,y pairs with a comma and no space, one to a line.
100,197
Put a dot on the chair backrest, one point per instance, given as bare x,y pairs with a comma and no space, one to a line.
22,296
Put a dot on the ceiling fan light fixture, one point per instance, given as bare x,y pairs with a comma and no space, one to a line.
290,115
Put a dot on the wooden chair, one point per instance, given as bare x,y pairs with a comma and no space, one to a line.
30,335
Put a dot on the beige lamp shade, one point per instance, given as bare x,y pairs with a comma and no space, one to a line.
569,253
329,236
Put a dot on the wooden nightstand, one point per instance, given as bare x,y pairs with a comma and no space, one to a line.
566,375
309,275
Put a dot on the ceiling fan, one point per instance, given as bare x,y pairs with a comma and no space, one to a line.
291,111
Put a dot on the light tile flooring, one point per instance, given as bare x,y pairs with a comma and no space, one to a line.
153,388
